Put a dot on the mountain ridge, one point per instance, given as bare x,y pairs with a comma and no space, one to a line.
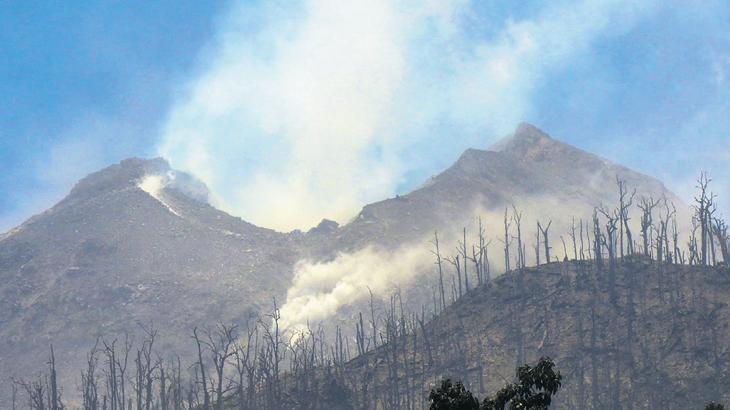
111,254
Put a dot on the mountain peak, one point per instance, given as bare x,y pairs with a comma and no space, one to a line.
133,172
526,138
526,130
120,175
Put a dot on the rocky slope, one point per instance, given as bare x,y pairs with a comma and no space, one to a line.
111,256
137,243
657,339
543,177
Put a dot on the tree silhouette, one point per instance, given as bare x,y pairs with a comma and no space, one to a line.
534,389
450,396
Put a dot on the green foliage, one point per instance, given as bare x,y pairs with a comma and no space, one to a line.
335,395
452,397
534,390
714,406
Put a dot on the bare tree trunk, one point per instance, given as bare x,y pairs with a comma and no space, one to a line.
545,239
437,253
55,399
506,242
703,205
201,366
575,243
624,206
537,245
464,257
517,218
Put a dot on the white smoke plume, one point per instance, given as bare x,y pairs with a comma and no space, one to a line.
310,109
320,289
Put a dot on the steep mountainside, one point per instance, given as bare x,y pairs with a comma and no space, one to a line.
111,255
136,242
543,177
658,339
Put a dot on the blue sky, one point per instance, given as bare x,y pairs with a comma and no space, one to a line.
254,97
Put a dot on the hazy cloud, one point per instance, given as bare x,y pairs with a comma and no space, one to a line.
304,111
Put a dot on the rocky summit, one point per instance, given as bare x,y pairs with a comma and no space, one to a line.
137,243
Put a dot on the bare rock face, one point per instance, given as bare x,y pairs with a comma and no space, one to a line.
137,242
326,226
542,177
120,251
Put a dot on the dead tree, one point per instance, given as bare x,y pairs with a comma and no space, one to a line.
573,238
609,240
464,257
507,241
177,391
437,253
694,258
678,253
545,239
146,368
360,335
477,259
116,367
671,214
664,254
201,367
13,395
426,339
456,262
517,218
597,240
111,373
721,231
273,355
483,255
373,321
36,392
220,347
537,245
711,232
626,200
647,206
55,401
163,379
582,243
89,381
246,356
703,205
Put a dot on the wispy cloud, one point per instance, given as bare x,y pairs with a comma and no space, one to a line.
305,111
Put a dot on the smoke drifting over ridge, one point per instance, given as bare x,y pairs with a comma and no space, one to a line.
306,112
320,290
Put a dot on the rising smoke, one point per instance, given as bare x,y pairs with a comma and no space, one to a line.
306,111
